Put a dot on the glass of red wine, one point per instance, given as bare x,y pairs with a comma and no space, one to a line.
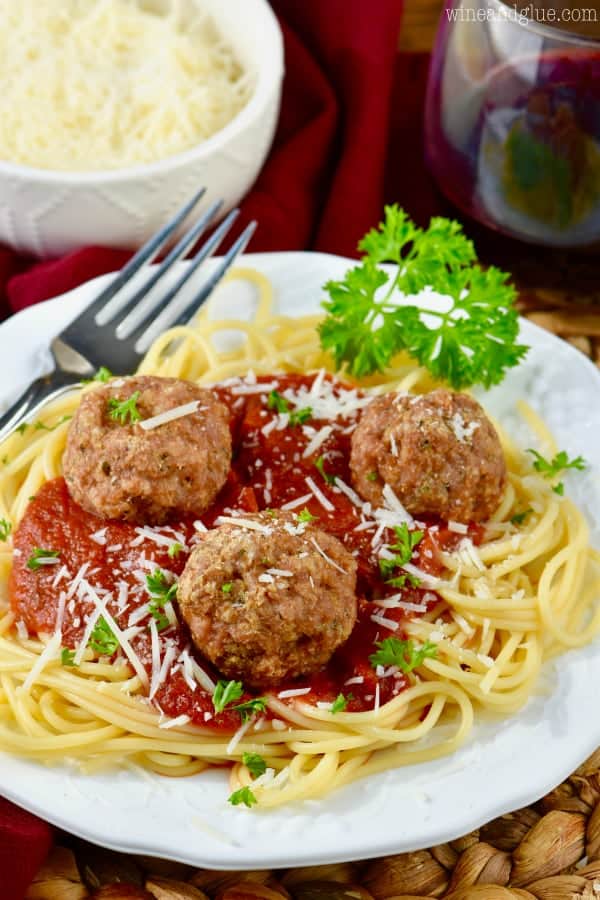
512,119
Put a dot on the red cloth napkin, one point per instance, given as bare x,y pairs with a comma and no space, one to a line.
348,139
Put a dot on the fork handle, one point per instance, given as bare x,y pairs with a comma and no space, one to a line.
41,391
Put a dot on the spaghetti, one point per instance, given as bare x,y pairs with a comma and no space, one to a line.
501,603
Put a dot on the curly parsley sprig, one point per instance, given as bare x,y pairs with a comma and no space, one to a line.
227,692
123,410
250,708
161,592
243,795
403,654
406,541
296,416
553,468
453,317
255,764
102,639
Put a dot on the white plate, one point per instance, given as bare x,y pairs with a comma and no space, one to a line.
505,764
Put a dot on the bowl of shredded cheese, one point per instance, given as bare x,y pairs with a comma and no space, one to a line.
113,112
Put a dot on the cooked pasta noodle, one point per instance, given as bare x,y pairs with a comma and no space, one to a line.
528,592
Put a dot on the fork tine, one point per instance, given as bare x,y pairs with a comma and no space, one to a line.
205,252
146,252
206,290
179,250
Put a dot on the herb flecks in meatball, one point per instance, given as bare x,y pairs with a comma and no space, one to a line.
270,601
439,453
117,469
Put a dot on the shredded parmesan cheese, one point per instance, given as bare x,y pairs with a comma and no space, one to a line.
120,636
319,495
104,84
176,723
385,623
170,415
22,630
293,692
457,527
51,651
322,553
250,524
238,736
315,442
299,501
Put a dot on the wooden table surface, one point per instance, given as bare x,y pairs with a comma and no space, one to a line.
419,24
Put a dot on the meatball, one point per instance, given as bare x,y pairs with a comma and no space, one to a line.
439,453
116,469
265,606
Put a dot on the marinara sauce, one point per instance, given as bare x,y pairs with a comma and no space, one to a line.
280,447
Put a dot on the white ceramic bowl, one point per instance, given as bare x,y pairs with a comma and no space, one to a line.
48,212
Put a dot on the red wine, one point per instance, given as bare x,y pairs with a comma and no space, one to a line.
515,143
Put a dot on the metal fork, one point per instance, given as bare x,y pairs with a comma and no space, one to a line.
103,334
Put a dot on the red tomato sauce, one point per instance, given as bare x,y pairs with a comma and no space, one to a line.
271,465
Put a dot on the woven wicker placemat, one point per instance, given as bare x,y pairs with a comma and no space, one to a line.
548,851
575,317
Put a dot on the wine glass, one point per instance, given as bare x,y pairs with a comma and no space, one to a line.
512,119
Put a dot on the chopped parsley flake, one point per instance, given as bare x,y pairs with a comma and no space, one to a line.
22,428
340,703
556,466
403,654
102,638
300,416
159,587
103,374
161,592
40,426
406,541
401,581
277,402
121,410
174,550
297,416
372,476
243,795
226,692
41,557
305,516
320,466
520,517
255,764
227,587
67,657
5,529
250,708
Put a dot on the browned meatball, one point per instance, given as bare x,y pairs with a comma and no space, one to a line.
116,469
439,453
268,605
